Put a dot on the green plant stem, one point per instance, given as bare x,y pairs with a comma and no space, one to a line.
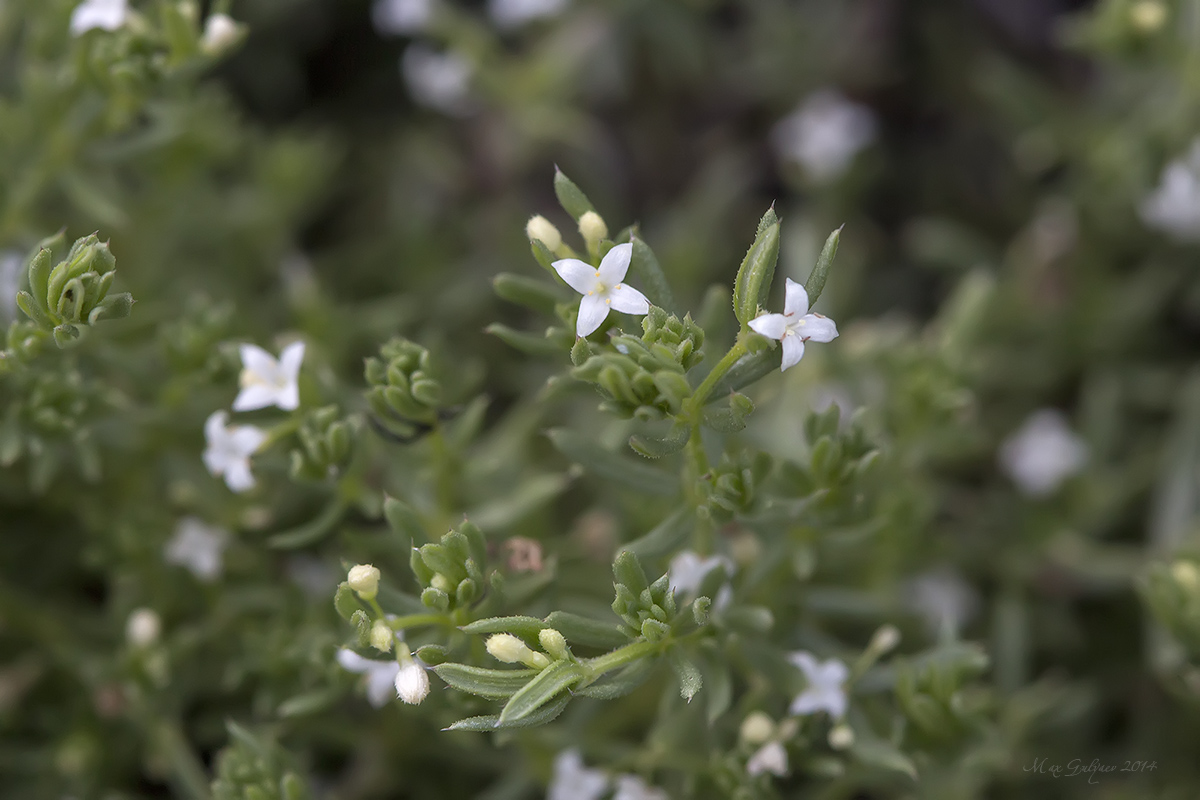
415,620
622,656
696,402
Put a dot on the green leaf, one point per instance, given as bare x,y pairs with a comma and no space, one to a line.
816,280
570,197
311,532
628,572
718,679
555,678
528,343
532,294
525,627
586,631
494,684
878,753
27,304
654,447
622,682
491,722
651,279
117,306
307,703
753,282
746,371
686,671
732,418
403,520
346,601
666,537
610,466
533,493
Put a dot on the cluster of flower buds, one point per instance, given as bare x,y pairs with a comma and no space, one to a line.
451,570
73,293
1173,594
403,394
326,443
933,691
252,767
728,489
839,457
647,608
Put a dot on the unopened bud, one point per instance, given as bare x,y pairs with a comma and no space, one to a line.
440,581
543,230
509,649
841,737
1186,575
412,682
592,227
220,33
143,627
364,579
885,640
1148,15
757,728
553,643
382,636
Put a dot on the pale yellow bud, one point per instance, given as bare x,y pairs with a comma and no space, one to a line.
382,636
440,581
553,643
543,230
1148,15
841,737
592,227
757,728
364,579
220,33
507,648
885,639
143,627
1186,575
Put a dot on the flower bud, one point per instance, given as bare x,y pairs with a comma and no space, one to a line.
364,579
509,649
1148,15
841,737
1186,575
412,682
757,728
442,583
382,636
143,627
553,643
543,230
884,640
220,33
592,227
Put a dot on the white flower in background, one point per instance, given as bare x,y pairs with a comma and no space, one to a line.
104,14
687,570
267,382
573,781
142,627
824,134
221,32
397,17
441,81
198,547
1042,453
10,283
825,691
795,325
772,757
943,599
631,787
381,675
229,450
602,288
515,13
1174,205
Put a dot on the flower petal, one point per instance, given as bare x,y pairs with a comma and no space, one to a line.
615,264
255,396
773,326
381,679
793,351
628,300
795,303
257,361
816,328
833,673
352,661
807,702
771,757
214,426
246,439
834,702
238,476
290,360
592,311
806,662
579,276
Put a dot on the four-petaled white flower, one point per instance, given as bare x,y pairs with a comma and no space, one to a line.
573,781
198,547
824,134
602,288
382,676
631,787
229,449
401,16
104,14
772,757
515,13
688,570
441,81
1174,205
267,382
825,691
1042,453
795,325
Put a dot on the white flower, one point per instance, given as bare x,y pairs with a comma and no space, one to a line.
198,547
105,14
401,16
573,781
631,787
824,134
229,450
795,325
381,675
267,382
943,599
10,283
687,570
602,288
412,682
143,627
1174,205
221,32
515,13
440,81
772,757
1042,453
825,691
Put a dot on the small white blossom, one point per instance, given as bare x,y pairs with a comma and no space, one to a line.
229,450
397,17
268,382
104,14
1042,453
631,787
573,781
381,675
772,757
143,627
515,13
412,681
795,325
441,81
688,570
602,288
1174,205
943,599
825,691
197,547
824,134
221,32
10,283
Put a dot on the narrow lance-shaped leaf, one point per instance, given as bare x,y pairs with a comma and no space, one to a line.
570,196
494,684
753,282
553,679
816,279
